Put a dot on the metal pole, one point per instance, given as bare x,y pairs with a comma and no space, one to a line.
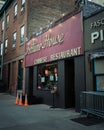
2,59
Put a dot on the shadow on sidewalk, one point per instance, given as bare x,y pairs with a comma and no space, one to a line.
3,87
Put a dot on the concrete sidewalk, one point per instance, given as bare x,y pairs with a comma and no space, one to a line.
38,117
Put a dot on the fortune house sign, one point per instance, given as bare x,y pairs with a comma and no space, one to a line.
62,42
49,41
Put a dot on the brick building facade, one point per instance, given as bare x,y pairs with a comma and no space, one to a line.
19,20
12,35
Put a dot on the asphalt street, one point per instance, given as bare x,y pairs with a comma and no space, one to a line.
38,117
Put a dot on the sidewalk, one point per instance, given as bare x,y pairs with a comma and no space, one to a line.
39,117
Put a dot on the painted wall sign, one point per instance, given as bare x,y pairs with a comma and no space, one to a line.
64,40
94,31
97,23
97,34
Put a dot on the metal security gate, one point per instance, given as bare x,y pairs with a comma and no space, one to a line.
92,103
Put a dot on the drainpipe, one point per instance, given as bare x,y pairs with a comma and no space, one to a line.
3,42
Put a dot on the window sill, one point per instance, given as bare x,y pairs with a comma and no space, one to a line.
21,44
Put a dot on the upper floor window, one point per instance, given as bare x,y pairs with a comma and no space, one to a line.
23,2
15,10
14,39
1,49
22,5
22,34
5,46
7,21
3,25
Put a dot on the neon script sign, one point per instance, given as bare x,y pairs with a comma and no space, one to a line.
49,41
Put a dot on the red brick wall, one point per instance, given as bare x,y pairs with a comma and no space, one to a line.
14,25
13,54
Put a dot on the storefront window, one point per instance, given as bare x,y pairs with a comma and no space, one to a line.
47,76
100,83
99,73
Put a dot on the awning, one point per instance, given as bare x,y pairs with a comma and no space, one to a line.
96,55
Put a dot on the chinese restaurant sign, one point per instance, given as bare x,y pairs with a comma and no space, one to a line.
62,41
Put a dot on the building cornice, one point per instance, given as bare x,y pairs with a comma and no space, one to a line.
5,7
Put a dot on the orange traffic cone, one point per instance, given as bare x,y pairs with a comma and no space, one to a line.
26,100
20,101
17,99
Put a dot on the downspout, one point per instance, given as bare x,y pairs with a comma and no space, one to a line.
3,42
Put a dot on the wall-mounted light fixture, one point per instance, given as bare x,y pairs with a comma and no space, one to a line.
46,72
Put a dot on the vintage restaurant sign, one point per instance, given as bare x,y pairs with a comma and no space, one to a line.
62,41
94,32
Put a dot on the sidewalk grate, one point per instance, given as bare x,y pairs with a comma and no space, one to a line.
88,121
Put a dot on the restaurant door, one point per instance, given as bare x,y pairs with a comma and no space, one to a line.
30,84
8,75
20,74
69,84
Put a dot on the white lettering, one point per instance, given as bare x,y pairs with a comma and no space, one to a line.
48,42
34,48
40,60
65,54
94,36
102,35
59,55
97,23
97,35
51,41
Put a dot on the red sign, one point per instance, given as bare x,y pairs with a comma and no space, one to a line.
62,41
